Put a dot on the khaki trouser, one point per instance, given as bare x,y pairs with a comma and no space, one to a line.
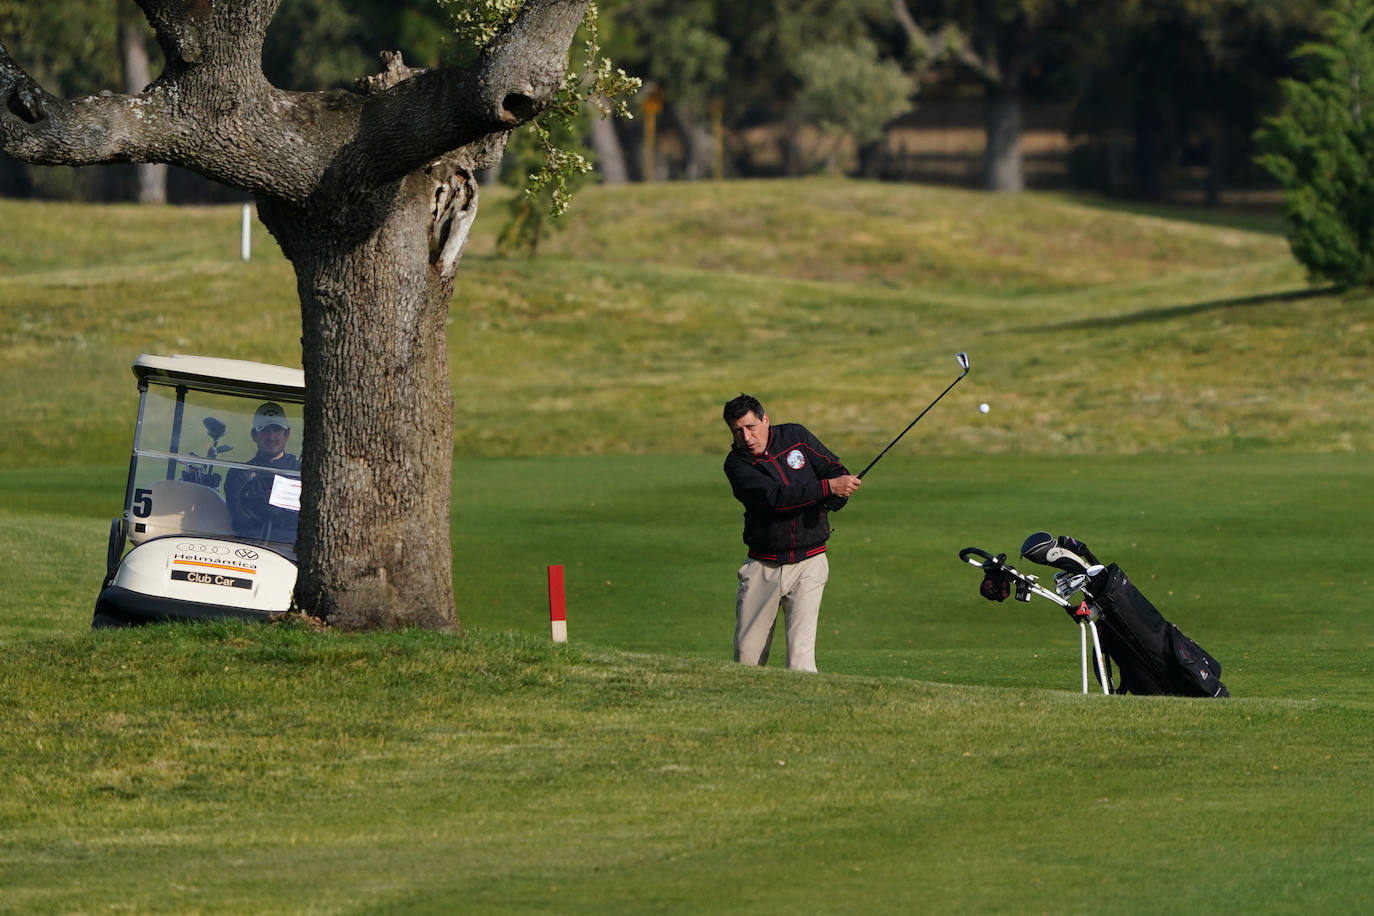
765,587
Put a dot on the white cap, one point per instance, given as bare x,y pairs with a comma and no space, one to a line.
270,414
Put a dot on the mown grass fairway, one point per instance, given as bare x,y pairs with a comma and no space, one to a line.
1166,389
414,773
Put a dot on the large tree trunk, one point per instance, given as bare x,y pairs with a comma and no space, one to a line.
1147,155
697,142
610,154
375,278
1004,167
150,177
1216,160
1003,44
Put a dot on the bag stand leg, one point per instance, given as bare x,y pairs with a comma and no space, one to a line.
1026,586
1083,627
1083,653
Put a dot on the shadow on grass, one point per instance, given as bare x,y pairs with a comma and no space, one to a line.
1265,215
1168,313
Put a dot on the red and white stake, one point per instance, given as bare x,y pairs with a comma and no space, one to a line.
558,610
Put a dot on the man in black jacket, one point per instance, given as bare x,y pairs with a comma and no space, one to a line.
788,482
249,493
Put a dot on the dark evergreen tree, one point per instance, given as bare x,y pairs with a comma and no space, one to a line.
1321,149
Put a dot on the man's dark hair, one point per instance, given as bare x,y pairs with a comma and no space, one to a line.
738,407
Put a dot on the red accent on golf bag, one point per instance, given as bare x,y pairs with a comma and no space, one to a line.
1152,656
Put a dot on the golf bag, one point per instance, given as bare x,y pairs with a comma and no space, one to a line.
1151,655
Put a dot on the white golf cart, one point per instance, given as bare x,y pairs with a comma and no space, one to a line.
212,537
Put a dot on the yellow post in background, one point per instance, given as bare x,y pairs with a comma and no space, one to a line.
717,139
653,104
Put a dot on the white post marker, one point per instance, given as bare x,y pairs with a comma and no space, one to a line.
558,611
246,242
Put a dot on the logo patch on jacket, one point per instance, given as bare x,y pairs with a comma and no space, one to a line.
796,460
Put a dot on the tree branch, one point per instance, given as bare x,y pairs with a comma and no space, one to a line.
412,121
212,110
186,116
949,42
37,126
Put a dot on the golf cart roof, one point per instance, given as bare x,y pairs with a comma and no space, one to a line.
229,376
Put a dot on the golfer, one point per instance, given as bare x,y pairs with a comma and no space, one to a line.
788,482
249,492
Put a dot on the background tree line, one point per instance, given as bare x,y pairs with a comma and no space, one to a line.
1142,89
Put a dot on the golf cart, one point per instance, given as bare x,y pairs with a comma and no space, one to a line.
209,537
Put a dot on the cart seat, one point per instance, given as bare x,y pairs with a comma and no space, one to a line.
180,507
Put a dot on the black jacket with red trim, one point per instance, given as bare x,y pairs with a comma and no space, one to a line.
785,493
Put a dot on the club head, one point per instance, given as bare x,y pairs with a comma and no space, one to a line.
962,359
1063,558
1037,546
214,427
1066,583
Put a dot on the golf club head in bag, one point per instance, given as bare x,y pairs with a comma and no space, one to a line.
1063,552
1066,583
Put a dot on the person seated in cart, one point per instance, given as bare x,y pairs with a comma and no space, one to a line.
250,493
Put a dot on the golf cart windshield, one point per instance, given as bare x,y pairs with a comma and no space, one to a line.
215,451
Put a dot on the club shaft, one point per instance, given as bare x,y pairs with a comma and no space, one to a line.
912,423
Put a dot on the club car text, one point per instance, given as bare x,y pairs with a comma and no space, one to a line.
205,567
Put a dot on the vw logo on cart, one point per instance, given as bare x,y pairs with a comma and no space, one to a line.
192,547
243,553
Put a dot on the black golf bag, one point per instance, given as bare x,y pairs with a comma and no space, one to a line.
1151,655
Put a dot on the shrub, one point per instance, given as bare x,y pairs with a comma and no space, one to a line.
1321,149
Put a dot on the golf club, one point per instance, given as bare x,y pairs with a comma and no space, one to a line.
962,360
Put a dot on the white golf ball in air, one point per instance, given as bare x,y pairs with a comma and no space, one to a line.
983,408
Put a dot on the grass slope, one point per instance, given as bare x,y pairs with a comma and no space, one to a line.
841,303
1167,389
243,770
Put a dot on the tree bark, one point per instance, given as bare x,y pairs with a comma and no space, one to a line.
610,154
1004,162
999,52
1148,152
374,293
697,143
150,178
